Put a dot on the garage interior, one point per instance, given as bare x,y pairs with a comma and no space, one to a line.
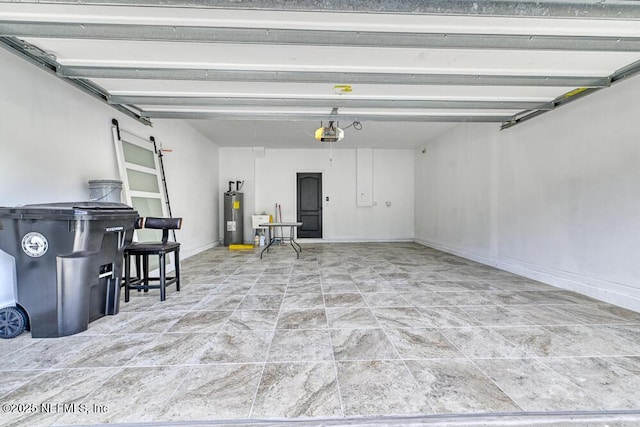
477,261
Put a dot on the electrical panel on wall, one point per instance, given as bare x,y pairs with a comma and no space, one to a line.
364,177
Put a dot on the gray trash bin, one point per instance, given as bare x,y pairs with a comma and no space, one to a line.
62,265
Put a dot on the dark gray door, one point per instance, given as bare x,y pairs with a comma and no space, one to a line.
309,204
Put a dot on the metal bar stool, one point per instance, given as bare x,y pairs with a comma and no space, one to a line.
141,252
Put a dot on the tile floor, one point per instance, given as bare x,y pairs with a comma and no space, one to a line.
347,330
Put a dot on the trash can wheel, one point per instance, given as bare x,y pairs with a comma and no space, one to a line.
13,322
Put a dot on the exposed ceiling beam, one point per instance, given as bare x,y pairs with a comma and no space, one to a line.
95,72
621,74
300,116
574,9
343,101
166,33
46,62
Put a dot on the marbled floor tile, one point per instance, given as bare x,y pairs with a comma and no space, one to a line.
412,286
300,288
172,349
236,347
385,299
534,387
629,332
606,383
344,318
201,321
50,391
401,317
48,352
380,388
507,298
152,323
293,390
178,302
328,263
522,283
252,320
573,296
446,286
623,313
233,289
241,279
437,281
302,300
479,286
263,288
361,344
254,269
202,289
290,345
595,340
310,318
328,277
494,315
630,364
588,314
464,298
267,279
546,297
115,324
10,380
213,392
541,315
114,350
138,302
302,276
448,317
343,300
339,287
426,299
457,386
261,302
219,302
278,269
395,276
482,343
538,341
422,343
131,395
374,286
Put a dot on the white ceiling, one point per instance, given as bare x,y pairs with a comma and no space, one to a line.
299,134
407,70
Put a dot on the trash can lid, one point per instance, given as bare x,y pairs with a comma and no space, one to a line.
70,210
101,182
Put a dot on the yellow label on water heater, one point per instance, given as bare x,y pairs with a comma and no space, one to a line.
236,204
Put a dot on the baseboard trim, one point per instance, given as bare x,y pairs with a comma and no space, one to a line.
184,254
603,290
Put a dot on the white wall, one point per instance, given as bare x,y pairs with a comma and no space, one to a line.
54,138
274,182
556,198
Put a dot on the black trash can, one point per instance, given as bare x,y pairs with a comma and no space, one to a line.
67,265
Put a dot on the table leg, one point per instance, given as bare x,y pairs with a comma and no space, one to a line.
294,244
271,240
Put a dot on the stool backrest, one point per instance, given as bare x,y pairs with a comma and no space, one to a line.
164,224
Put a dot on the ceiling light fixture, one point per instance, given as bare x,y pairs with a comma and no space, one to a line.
330,133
